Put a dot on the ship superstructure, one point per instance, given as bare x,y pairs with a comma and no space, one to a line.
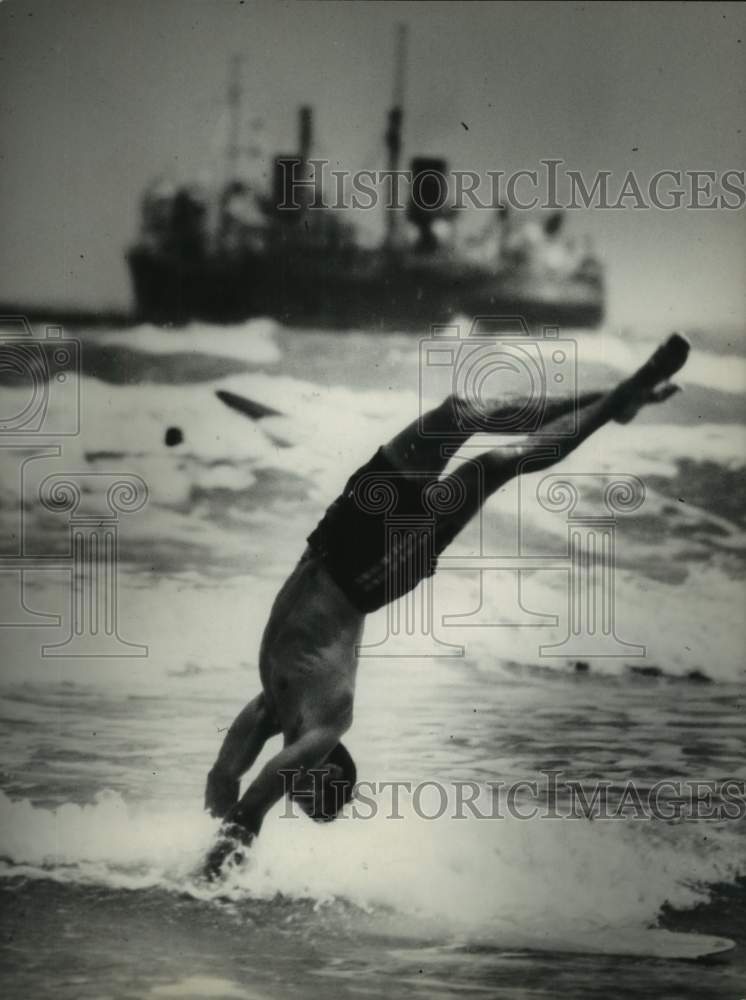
238,251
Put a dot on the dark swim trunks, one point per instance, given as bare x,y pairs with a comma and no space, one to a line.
383,534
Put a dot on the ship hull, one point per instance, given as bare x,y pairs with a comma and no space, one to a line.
337,294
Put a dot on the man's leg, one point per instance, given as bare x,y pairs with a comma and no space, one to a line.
483,476
251,729
620,405
419,448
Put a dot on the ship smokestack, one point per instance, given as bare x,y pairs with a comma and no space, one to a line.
429,198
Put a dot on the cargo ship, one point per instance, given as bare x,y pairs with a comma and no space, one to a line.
237,251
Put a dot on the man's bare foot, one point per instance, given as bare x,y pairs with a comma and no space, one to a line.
221,793
650,384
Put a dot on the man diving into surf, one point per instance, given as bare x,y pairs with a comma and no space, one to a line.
308,655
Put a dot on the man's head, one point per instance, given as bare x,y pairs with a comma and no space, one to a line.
323,791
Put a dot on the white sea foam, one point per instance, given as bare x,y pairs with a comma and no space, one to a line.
501,880
251,341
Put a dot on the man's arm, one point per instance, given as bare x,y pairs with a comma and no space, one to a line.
243,742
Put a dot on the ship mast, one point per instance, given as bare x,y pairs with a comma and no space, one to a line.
305,141
235,101
394,129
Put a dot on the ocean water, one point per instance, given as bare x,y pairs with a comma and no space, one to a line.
105,757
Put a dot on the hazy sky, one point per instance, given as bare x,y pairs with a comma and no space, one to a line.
97,98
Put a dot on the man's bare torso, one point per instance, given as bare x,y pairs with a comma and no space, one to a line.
308,655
